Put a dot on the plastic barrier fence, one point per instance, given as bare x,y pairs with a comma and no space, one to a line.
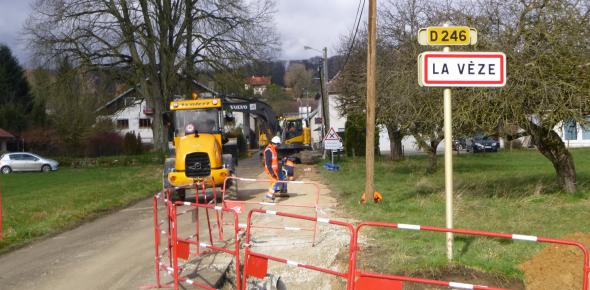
161,202
256,264
240,205
166,222
1,228
367,280
181,246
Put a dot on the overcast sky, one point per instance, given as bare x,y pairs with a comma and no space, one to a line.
315,23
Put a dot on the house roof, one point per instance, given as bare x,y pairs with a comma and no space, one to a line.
5,134
258,80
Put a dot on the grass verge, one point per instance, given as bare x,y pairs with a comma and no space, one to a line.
512,192
40,204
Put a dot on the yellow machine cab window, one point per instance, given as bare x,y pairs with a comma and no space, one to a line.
205,121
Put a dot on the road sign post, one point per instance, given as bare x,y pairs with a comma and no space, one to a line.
332,141
455,69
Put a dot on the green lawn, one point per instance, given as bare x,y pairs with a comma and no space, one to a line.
513,192
37,204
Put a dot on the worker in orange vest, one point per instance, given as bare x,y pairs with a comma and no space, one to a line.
272,168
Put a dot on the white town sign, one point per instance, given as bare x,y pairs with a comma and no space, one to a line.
462,69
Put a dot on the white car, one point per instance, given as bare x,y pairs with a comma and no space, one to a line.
24,161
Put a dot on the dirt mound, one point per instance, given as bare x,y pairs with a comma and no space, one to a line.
557,266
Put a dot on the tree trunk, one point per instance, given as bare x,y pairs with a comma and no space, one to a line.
429,145
158,128
432,164
553,148
395,143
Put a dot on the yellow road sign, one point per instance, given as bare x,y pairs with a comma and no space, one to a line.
452,35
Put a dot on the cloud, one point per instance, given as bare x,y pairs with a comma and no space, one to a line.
313,23
13,15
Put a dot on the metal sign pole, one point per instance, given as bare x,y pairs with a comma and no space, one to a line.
448,166
332,156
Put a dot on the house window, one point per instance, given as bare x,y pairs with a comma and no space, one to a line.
570,130
586,129
122,124
145,123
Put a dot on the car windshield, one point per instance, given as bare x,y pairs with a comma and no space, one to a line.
205,121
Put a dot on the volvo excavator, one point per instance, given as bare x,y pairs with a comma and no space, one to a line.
201,151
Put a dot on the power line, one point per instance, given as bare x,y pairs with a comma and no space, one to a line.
358,22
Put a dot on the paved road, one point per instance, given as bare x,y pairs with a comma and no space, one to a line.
113,252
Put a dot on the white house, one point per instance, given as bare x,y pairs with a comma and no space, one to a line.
257,83
130,113
574,134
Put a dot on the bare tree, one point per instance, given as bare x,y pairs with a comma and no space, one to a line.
298,78
164,42
548,49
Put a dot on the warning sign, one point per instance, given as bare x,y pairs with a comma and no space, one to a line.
332,141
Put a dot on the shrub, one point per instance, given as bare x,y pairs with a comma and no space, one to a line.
355,135
132,144
104,144
44,141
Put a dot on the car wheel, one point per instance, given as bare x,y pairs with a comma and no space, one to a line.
6,170
45,168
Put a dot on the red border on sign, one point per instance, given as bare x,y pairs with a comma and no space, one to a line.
464,55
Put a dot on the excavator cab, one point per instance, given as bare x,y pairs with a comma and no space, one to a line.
296,134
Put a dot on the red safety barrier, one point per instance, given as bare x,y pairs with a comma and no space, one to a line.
164,198
166,225
181,246
240,205
367,280
256,264
1,228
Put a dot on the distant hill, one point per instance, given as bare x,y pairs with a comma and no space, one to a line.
276,69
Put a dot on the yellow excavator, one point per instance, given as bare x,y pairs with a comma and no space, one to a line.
294,132
199,143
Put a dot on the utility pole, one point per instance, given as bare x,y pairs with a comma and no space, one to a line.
325,98
370,141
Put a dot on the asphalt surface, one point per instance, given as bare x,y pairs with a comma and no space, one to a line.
113,252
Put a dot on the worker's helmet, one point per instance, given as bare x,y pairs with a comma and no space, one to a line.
275,140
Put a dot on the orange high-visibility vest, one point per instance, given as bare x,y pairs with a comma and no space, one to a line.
274,160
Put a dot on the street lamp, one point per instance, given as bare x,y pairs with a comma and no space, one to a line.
325,103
